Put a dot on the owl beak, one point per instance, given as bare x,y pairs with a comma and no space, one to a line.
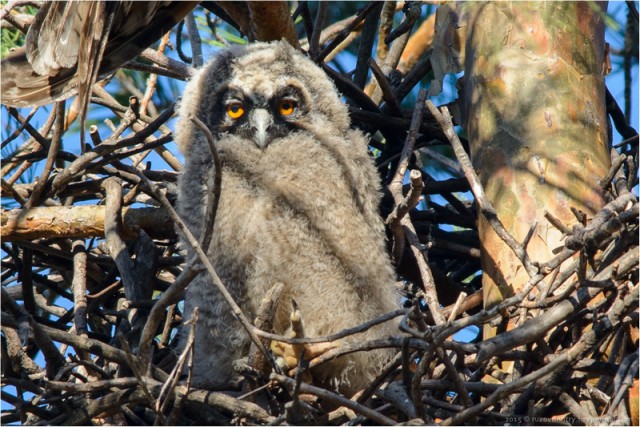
260,122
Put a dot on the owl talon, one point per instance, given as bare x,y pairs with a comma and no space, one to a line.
289,356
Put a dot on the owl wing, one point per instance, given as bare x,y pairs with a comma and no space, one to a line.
64,53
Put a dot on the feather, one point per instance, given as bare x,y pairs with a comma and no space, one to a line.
71,45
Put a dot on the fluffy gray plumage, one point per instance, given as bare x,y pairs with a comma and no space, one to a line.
298,206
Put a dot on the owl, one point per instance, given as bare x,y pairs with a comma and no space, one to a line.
298,206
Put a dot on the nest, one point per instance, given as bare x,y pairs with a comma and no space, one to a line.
93,279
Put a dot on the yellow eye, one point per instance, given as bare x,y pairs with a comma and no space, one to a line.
286,107
235,110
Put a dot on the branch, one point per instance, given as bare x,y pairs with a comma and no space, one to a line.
80,221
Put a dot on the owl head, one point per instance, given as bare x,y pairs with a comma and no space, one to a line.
259,93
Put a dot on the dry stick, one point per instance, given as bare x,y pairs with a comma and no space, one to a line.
577,410
91,387
54,360
338,335
28,297
443,118
18,173
417,343
166,330
143,149
219,401
136,372
90,345
606,222
421,369
386,21
387,93
120,110
330,32
190,272
314,41
409,202
483,316
168,297
79,287
537,328
394,54
56,142
344,33
335,398
103,98
395,186
35,134
629,373
176,67
384,373
150,142
194,40
153,81
116,245
366,45
456,307
455,377
396,394
617,162
181,396
557,223
11,5
567,357
411,12
6,187
169,386
235,309
109,145
18,131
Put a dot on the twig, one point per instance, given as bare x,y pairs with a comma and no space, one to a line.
344,33
79,287
176,67
366,45
395,187
54,360
194,40
91,387
314,41
38,190
109,145
168,297
444,119
387,93
18,131
335,398
410,201
169,385
569,356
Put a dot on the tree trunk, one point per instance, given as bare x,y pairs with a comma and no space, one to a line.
534,110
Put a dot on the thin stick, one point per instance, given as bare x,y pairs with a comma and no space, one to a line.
335,398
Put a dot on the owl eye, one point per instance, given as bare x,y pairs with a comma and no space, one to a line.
235,110
287,106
